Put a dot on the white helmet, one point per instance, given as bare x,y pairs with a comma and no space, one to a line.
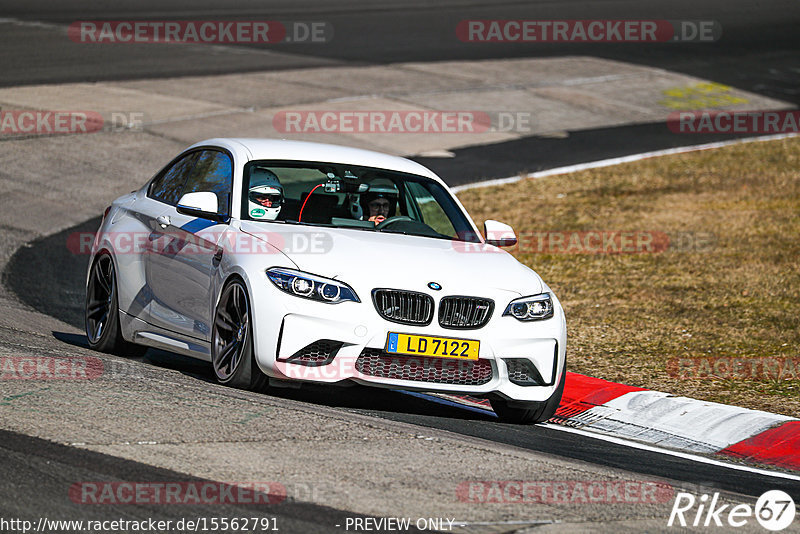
265,197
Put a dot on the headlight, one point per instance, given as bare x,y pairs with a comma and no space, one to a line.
310,286
533,308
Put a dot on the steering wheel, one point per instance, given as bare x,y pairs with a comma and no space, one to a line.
392,220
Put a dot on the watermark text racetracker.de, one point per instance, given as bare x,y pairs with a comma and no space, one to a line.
199,31
734,122
38,122
180,493
381,121
588,31
734,368
599,242
563,492
60,122
68,368
403,121
50,368
208,242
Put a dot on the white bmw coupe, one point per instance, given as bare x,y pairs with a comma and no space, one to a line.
289,261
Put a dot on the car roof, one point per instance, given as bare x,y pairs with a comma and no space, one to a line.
283,149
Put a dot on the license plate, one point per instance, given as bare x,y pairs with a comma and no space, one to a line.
438,347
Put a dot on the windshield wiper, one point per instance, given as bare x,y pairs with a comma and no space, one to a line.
300,223
390,231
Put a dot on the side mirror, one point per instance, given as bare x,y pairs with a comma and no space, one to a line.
203,204
499,234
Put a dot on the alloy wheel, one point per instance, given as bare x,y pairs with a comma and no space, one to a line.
232,323
101,291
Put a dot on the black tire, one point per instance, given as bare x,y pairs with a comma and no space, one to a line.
101,311
232,340
529,413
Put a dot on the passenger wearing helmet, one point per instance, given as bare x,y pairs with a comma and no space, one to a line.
265,196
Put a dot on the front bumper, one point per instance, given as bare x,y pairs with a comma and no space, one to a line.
287,325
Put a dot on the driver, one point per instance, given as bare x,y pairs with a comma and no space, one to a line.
265,197
379,208
379,205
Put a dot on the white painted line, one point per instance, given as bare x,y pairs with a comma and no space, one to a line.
616,161
34,24
599,79
678,454
517,522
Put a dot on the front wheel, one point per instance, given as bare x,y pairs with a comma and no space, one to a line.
232,340
532,412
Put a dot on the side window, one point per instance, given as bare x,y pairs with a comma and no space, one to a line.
213,172
167,187
431,211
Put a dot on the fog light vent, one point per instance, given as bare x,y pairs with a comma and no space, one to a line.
321,352
522,372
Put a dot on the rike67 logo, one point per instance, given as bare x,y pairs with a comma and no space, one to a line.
774,510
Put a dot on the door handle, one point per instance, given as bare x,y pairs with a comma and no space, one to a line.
163,220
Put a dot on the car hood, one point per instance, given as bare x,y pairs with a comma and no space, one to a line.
366,260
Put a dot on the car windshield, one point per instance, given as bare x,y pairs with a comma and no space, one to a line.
349,196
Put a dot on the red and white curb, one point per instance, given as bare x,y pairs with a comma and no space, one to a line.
679,423
669,422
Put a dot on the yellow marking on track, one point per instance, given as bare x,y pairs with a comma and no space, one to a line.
700,96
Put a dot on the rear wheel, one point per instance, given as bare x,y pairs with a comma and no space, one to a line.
102,311
531,412
232,340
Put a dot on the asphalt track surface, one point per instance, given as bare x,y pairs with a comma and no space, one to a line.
52,261
533,154
758,53
27,459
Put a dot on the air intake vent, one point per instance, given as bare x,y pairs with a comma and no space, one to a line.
405,307
465,312
378,363
522,372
